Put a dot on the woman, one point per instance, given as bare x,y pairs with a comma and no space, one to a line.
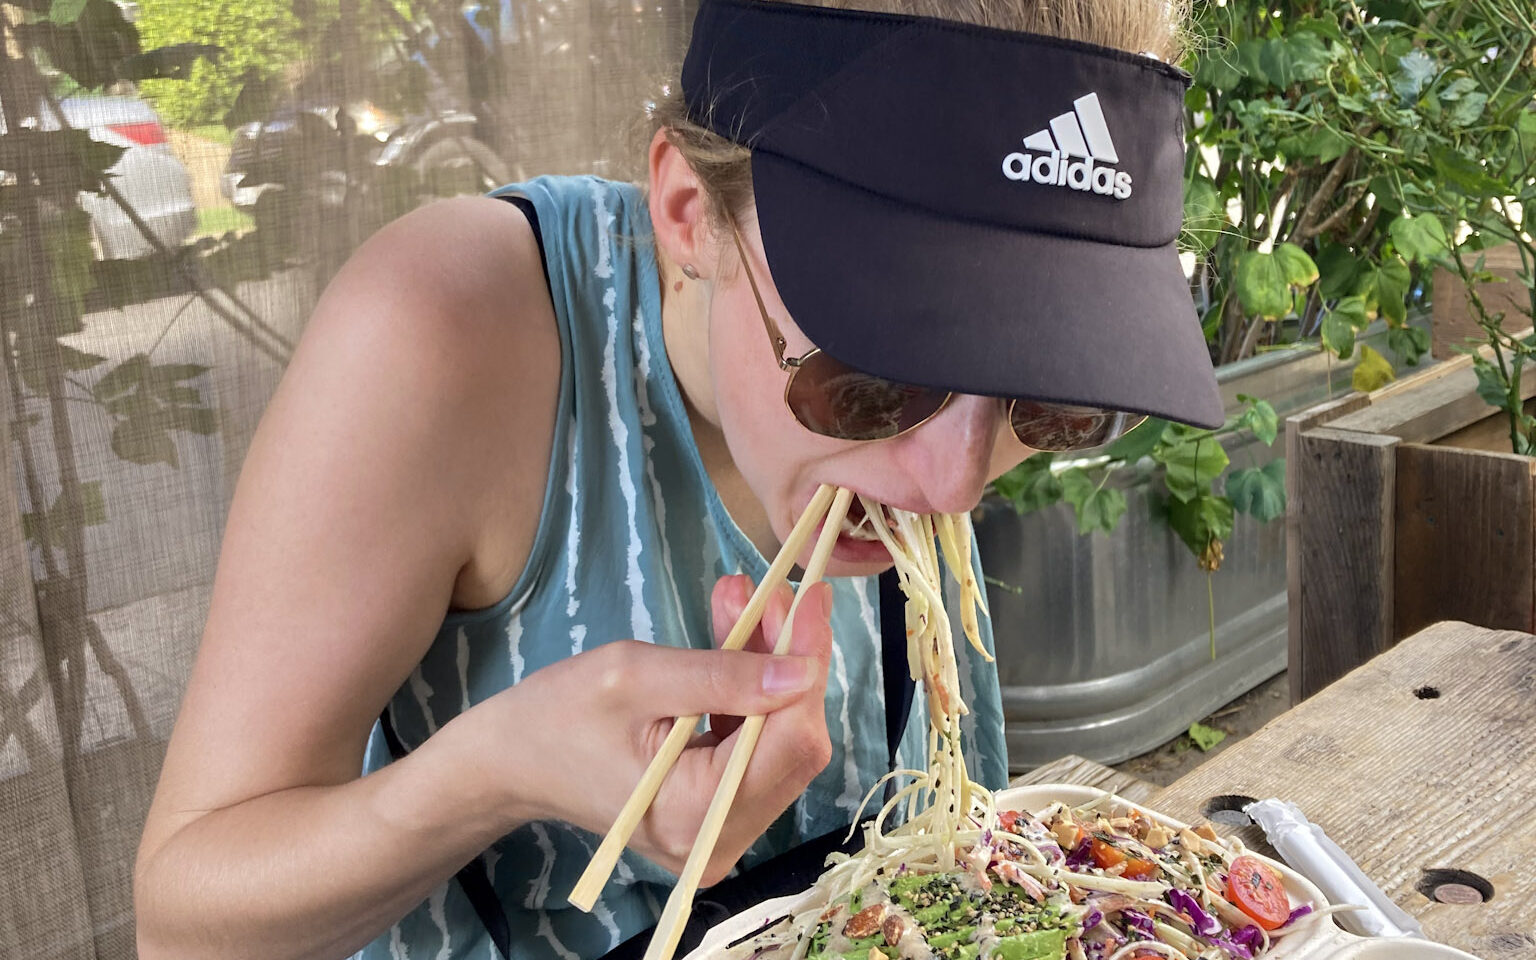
522,428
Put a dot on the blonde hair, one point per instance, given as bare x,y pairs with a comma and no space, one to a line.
1154,27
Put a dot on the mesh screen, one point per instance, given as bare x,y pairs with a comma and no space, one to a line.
178,181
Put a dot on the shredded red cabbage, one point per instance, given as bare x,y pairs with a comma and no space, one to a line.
1297,914
1203,922
1250,936
1080,857
1140,922
1093,919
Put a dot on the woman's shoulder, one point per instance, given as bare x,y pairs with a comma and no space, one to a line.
446,311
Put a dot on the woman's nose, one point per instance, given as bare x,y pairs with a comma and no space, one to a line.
950,456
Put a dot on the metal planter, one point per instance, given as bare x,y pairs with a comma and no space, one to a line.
1103,642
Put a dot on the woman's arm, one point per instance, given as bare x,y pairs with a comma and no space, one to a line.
400,468
363,508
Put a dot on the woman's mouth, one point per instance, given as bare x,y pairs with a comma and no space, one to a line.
857,525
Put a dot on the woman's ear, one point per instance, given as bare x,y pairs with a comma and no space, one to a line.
679,208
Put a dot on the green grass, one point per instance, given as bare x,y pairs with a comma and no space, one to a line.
216,132
217,221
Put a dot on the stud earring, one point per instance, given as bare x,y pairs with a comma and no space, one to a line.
690,271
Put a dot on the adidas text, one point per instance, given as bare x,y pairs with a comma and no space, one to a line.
1064,154
1053,170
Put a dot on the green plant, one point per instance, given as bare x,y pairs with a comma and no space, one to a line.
1402,135
49,279
1464,76
1338,150
256,38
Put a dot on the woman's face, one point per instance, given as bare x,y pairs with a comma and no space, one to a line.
939,467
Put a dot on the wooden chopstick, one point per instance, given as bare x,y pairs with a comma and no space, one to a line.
669,929
595,877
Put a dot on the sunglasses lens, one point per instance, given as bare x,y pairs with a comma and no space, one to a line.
1058,427
833,399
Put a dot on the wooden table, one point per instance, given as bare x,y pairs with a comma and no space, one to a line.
1423,759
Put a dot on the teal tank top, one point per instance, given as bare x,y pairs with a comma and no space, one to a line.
630,542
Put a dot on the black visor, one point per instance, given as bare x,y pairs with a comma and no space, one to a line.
958,207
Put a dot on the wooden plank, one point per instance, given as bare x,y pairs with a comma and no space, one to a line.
1405,783
1452,309
1344,555
1295,498
1478,510
1490,433
1424,410
1080,770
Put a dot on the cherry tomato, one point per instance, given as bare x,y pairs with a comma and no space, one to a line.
1105,856
1255,888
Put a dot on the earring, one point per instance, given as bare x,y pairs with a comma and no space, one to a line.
690,271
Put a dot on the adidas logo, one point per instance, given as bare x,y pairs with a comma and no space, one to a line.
1081,140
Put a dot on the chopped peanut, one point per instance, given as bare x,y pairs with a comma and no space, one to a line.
1158,836
893,928
866,922
1206,830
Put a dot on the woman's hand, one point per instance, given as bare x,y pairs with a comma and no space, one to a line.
590,725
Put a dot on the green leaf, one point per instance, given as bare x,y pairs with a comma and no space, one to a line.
1295,265
128,375
1247,58
1205,737
1191,465
1326,145
199,420
1372,371
1276,62
174,62
1464,173
1309,55
1204,215
69,253
1201,520
1097,506
1456,88
1468,109
63,161
71,359
1261,285
1415,70
1342,324
1491,385
1419,239
91,48
1339,270
65,11
1031,485
1259,491
1217,71
1139,442
1392,280
1409,343
1261,419
141,441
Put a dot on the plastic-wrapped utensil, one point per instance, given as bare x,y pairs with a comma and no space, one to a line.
1309,851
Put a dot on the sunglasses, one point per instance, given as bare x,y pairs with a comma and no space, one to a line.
833,399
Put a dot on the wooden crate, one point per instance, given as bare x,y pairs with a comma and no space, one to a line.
1451,312
1405,508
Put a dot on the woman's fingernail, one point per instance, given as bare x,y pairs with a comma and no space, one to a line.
787,675
824,598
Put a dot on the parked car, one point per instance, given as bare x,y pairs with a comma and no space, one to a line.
148,176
